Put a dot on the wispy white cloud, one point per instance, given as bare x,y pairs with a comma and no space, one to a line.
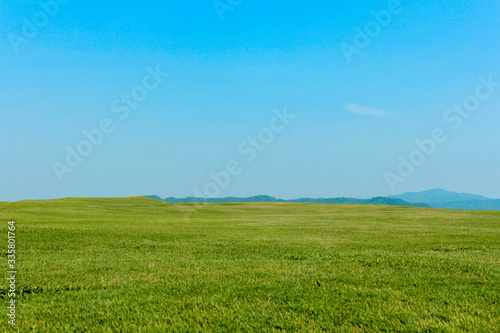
354,108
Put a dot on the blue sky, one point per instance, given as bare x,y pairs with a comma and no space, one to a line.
228,79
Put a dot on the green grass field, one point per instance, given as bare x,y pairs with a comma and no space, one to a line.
142,265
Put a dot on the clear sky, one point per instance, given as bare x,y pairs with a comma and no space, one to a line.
285,98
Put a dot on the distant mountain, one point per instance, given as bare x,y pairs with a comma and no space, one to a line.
256,198
451,200
437,196
266,198
372,201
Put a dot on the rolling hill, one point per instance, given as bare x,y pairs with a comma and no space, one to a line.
440,198
143,265
267,198
435,198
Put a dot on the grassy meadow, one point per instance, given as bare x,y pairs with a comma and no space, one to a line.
143,265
